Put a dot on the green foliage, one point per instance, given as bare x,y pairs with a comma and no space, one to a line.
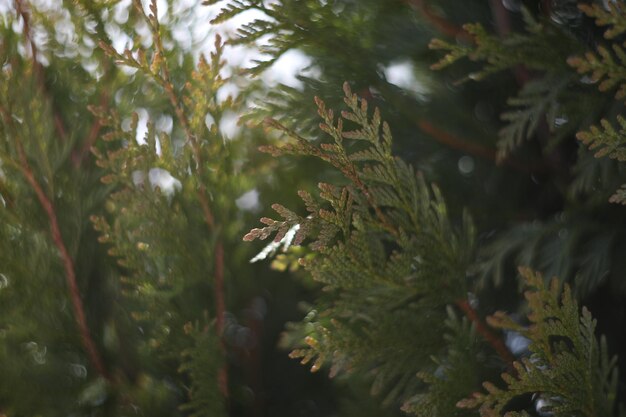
285,35
544,47
157,312
538,100
612,14
101,324
45,366
457,371
161,211
607,64
203,369
382,238
606,141
573,247
568,366
607,68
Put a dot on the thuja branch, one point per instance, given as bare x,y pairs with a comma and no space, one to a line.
348,170
68,264
160,73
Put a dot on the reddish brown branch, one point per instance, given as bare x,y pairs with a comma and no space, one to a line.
457,143
22,11
79,155
220,307
439,23
68,264
472,148
491,338
501,17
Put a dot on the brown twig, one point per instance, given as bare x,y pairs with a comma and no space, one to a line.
22,11
68,264
408,109
474,149
491,338
442,25
456,142
501,17
220,308
79,154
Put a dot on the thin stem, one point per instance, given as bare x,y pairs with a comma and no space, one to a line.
220,307
79,154
68,264
442,25
491,338
457,143
474,149
410,110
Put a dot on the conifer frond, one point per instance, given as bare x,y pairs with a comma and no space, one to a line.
231,9
386,247
619,196
606,140
457,371
543,47
200,364
161,222
537,100
607,66
573,248
609,14
275,22
568,366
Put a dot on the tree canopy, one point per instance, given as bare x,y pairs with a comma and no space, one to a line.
442,188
